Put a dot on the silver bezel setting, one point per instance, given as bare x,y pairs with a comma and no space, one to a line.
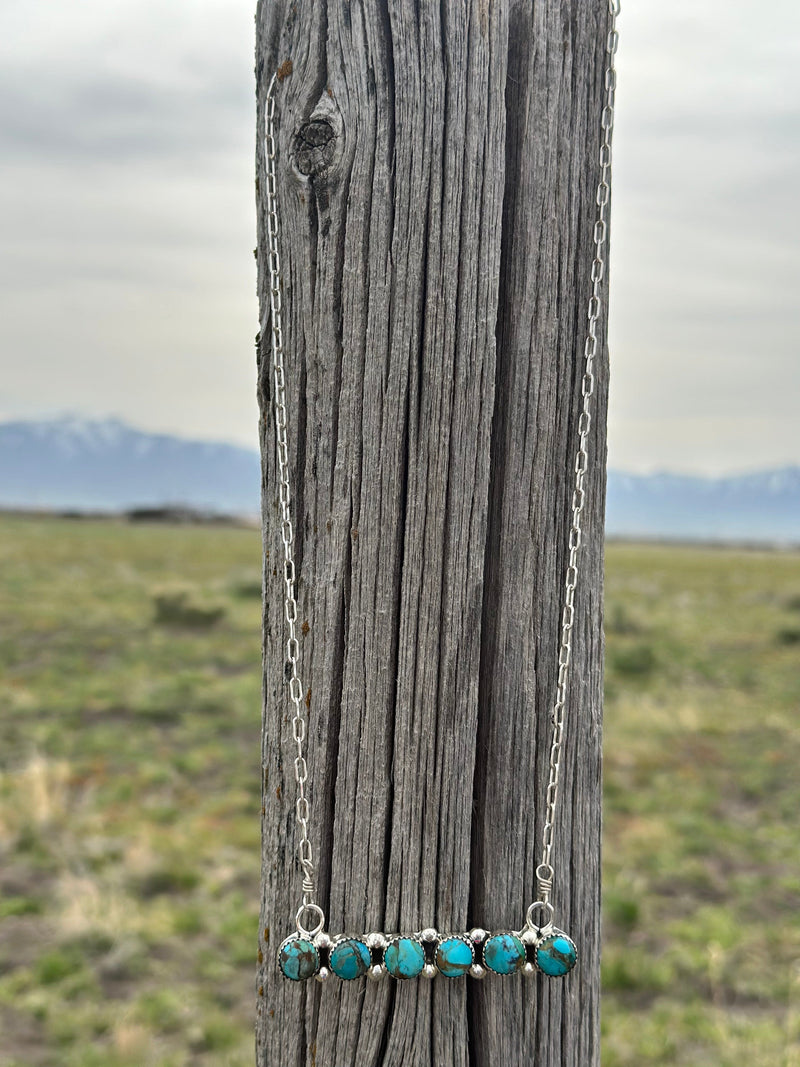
377,944
404,937
341,939
286,941
554,932
501,933
455,937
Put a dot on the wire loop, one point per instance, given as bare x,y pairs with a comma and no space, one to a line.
314,930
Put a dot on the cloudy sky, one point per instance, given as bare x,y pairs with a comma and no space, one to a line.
127,223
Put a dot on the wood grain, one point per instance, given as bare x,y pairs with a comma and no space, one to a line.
437,168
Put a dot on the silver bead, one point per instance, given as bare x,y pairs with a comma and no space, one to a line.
323,940
429,934
323,974
376,941
429,970
529,937
477,935
477,971
528,970
377,972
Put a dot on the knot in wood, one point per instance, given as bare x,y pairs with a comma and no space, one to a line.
315,145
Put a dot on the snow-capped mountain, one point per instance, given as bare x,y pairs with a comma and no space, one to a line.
762,506
74,463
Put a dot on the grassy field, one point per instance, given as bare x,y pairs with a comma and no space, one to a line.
702,794
129,800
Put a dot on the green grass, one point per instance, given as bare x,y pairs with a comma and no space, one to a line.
129,793
702,793
129,800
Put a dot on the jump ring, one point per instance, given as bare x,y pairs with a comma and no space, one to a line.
548,907
318,912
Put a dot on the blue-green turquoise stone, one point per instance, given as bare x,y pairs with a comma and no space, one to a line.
350,958
298,958
556,955
404,957
453,956
504,953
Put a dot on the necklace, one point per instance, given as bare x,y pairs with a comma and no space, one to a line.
539,946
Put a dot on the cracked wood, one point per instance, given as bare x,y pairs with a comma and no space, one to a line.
436,177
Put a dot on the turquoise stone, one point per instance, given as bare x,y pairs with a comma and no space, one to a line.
404,957
556,955
454,956
298,958
504,953
350,958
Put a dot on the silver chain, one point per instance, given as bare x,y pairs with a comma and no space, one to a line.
302,807
544,872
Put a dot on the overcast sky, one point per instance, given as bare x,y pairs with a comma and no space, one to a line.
127,223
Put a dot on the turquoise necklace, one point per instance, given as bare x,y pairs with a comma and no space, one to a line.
539,946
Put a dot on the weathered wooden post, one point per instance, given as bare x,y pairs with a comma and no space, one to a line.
437,168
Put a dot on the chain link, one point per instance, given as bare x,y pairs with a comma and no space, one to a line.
302,807
544,872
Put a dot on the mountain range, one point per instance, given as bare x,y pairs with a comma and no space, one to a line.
77,464
761,507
